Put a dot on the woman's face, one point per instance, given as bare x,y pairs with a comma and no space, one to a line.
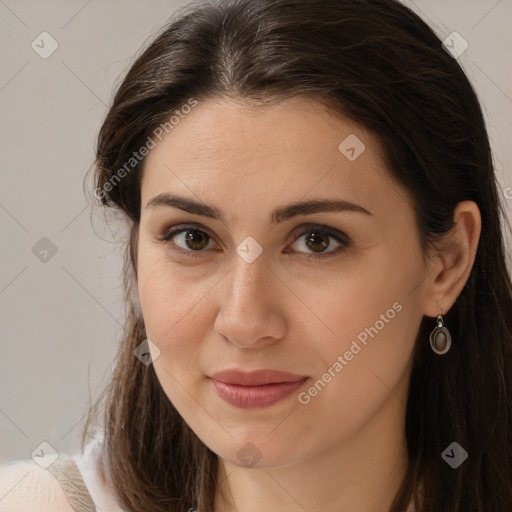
332,296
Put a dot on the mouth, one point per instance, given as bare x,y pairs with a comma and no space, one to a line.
256,389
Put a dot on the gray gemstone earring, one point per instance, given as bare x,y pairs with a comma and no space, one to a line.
440,338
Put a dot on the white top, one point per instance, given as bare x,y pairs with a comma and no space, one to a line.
88,465
58,482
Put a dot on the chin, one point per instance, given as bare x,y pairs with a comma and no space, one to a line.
249,452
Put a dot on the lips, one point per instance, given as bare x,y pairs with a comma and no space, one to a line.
255,378
255,389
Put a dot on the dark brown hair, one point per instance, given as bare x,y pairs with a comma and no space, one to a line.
377,63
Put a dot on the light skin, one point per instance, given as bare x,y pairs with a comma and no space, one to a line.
345,449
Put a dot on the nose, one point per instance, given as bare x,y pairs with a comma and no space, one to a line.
251,312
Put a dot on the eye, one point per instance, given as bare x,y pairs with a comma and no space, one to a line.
316,238
188,240
191,241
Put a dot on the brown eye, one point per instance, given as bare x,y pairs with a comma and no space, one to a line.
195,239
192,241
187,239
317,242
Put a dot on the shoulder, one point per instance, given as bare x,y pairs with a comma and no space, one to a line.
26,487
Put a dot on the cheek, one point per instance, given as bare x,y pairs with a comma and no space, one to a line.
168,304
172,309
367,296
162,299
370,317
173,305
356,371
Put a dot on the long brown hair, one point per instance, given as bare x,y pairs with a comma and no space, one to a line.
377,63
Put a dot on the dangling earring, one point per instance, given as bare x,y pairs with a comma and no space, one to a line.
440,338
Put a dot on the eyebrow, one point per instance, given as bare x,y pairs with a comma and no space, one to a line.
280,214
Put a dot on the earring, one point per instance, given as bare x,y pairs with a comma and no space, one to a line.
440,338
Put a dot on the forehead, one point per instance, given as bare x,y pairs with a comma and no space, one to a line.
225,129
288,151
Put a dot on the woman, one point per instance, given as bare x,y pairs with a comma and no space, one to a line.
319,302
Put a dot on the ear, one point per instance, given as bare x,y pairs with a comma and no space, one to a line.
453,260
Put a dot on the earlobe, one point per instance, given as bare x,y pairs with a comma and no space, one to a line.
455,255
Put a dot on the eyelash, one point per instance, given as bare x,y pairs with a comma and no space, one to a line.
341,238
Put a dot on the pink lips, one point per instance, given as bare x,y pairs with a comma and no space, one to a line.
260,388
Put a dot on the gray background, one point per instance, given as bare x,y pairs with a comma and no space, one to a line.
60,320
